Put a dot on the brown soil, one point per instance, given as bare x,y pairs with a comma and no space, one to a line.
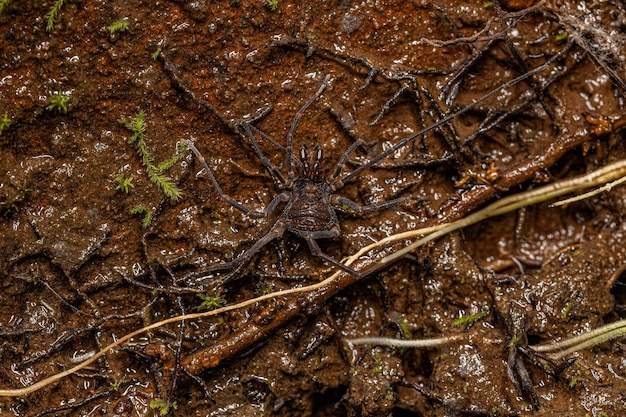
78,270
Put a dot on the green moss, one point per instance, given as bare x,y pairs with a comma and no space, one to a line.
11,205
147,215
124,183
470,318
210,302
404,326
118,26
272,4
155,173
163,407
52,15
5,122
561,37
4,4
155,54
59,102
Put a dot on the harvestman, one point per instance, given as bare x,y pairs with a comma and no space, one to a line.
310,199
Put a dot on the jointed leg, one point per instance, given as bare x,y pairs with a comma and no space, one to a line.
370,208
273,170
280,198
276,232
342,161
317,251
296,120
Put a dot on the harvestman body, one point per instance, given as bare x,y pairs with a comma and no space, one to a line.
309,198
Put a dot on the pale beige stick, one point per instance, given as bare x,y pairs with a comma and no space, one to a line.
556,350
54,378
583,341
605,187
600,176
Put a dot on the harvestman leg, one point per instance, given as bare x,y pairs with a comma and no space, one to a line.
315,249
337,183
276,232
273,169
255,214
368,209
296,120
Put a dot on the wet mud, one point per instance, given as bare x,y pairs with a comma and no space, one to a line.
94,243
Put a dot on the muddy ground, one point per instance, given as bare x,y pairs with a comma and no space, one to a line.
82,263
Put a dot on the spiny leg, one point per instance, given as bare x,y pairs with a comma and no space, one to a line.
273,142
317,251
273,169
368,209
451,116
277,231
447,130
342,162
296,120
256,214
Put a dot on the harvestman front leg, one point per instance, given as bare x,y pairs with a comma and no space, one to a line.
277,230
255,214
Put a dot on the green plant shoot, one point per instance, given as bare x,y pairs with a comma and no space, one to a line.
59,103
118,26
155,173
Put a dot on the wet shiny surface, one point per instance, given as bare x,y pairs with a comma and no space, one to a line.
78,270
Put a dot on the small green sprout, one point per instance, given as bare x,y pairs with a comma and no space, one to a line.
162,406
11,205
147,215
118,26
561,37
210,302
59,103
310,37
113,387
514,341
178,155
155,54
567,309
52,15
155,173
265,288
574,381
488,5
5,121
471,318
378,361
389,396
124,183
4,4
273,4
404,326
